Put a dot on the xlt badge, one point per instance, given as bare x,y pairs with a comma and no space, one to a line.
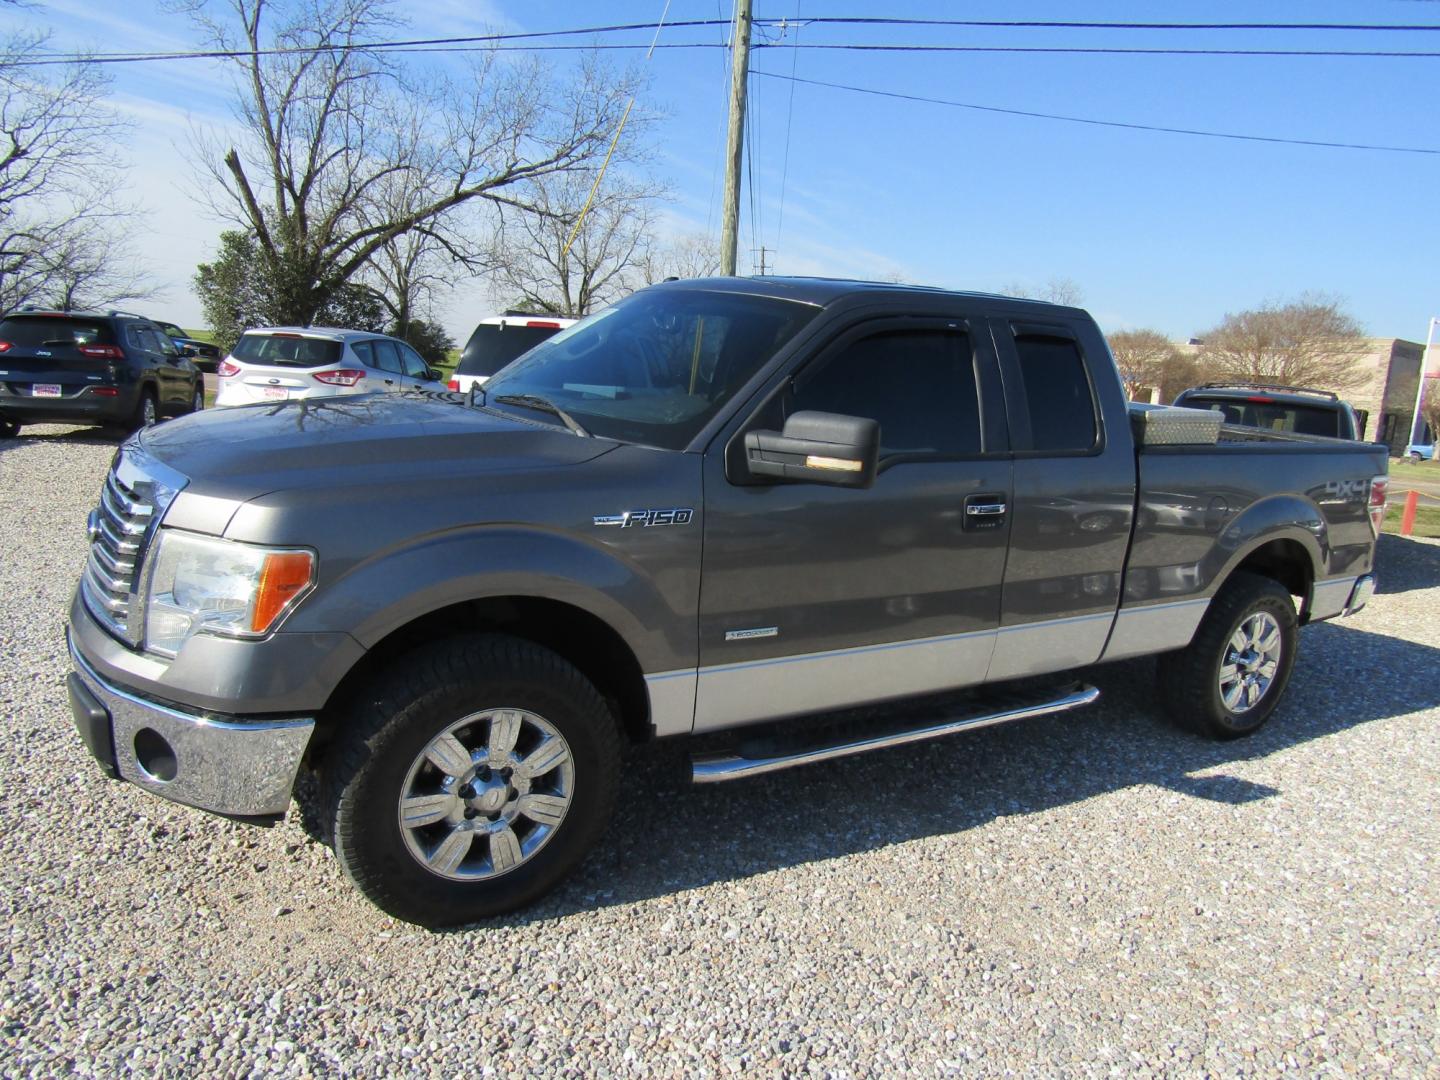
673,516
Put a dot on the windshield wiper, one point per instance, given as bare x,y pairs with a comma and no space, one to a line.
535,401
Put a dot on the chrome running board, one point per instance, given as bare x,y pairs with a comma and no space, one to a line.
717,767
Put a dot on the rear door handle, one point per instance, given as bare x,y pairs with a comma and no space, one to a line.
984,509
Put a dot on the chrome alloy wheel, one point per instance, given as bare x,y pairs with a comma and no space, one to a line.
1252,658
486,794
148,413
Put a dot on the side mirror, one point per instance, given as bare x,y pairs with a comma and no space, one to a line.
817,448
434,375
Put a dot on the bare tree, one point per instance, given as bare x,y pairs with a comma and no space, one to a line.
692,255
1058,290
62,238
343,152
537,260
1311,341
1140,355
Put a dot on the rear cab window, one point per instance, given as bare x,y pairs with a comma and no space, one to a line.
287,350
494,345
1269,415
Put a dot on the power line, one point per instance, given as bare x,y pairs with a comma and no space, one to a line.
1099,50
1101,123
1038,24
506,41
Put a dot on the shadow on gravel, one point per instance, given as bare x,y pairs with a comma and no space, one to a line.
669,835
1403,564
53,435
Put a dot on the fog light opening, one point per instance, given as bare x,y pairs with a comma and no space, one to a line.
155,755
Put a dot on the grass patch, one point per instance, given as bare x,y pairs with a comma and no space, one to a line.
1405,469
1427,520
207,336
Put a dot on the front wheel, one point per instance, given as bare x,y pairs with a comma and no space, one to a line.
147,411
472,777
1230,678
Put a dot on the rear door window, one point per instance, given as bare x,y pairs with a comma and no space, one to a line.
387,357
287,350
1057,392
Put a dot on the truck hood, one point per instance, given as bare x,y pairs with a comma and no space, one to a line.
245,452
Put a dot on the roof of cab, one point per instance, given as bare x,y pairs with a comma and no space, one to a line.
822,291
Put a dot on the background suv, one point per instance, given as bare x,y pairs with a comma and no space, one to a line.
205,355
500,339
84,367
291,362
1277,408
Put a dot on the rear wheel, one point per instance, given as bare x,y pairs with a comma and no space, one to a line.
9,429
471,778
1415,457
1230,678
197,399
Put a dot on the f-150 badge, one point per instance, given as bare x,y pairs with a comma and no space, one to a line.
672,516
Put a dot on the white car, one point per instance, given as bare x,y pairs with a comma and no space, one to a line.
290,362
499,340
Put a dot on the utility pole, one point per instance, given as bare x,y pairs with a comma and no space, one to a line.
1417,422
764,266
735,147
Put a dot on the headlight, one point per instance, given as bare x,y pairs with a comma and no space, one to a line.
202,585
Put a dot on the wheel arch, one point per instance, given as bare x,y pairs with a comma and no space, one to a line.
1286,559
580,637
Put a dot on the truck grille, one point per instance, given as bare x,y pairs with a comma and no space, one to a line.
131,504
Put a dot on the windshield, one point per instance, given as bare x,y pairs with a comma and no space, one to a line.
492,346
657,366
287,350
1273,416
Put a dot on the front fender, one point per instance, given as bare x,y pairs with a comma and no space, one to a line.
653,613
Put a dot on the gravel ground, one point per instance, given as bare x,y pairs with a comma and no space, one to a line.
1088,894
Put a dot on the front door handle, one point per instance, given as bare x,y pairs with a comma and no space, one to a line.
984,511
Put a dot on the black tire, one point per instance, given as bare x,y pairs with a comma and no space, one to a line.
386,732
9,429
147,411
197,399
1190,679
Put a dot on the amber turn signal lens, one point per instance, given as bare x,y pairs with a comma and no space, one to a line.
283,577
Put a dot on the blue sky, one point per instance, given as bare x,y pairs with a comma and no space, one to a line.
1157,230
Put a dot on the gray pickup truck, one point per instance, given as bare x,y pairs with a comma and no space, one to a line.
717,503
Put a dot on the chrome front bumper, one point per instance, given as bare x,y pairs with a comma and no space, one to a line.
240,768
